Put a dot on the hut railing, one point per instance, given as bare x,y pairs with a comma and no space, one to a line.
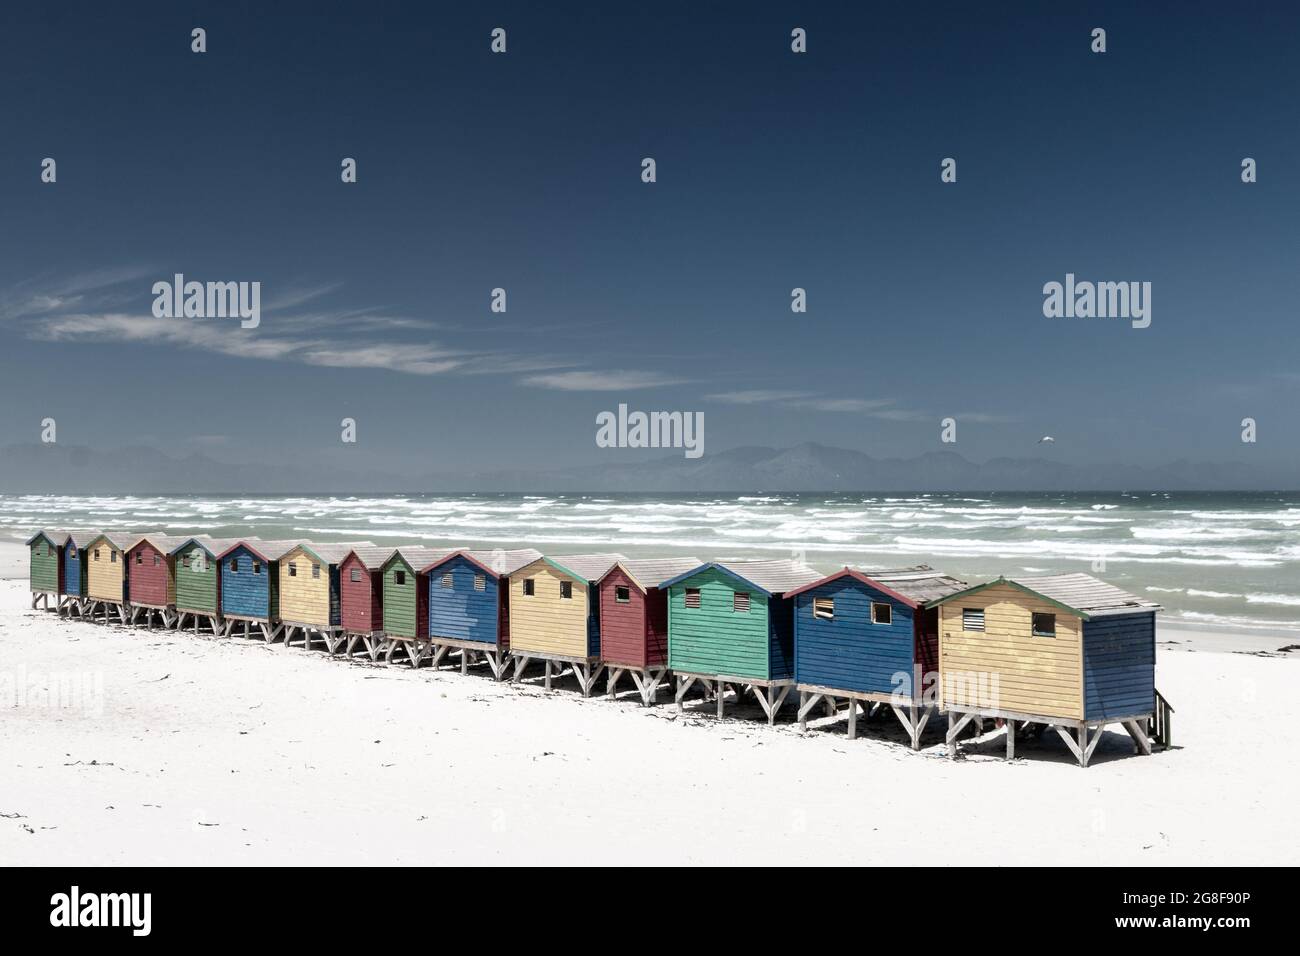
1162,728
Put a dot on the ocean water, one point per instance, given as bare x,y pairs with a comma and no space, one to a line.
1223,561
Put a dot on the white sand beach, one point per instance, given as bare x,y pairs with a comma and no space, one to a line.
185,750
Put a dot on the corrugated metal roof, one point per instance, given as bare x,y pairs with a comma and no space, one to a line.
165,543
419,557
214,546
921,583
775,576
122,541
83,538
333,552
590,567
651,572
58,537
1085,593
503,563
270,550
373,558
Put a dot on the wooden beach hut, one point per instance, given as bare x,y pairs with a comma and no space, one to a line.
361,598
469,605
250,587
73,590
107,575
152,578
732,624
1065,651
555,616
198,582
309,592
870,639
406,603
45,568
634,621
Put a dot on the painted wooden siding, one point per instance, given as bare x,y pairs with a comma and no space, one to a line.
106,578
44,566
1119,665
406,606
926,625
849,652
197,590
361,603
547,623
714,639
305,599
244,593
624,629
780,638
74,570
461,613
151,576
1034,675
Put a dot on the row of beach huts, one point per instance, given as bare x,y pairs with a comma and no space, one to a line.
1064,652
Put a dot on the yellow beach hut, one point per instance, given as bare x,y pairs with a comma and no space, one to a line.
555,615
106,575
309,591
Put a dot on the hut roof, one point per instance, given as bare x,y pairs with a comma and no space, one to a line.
56,538
496,563
913,586
215,547
418,558
646,573
82,538
1077,593
266,550
119,540
772,577
331,552
372,557
582,567
165,543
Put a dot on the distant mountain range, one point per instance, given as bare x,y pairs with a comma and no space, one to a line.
61,469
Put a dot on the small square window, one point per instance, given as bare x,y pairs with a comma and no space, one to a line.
566,589
139,557
447,580
692,597
356,575
824,608
622,593
1044,625
72,552
480,582
97,554
185,560
157,560
740,601
882,613
972,619
399,578
315,570
528,587
234,565
293,569
112,557
257,567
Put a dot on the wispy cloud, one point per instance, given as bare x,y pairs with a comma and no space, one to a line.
756,397
883,408
605,380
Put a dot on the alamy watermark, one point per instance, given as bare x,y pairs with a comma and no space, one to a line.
208,300
1100,300
57,690
626,429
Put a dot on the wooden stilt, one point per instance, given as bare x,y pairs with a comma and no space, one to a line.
853,718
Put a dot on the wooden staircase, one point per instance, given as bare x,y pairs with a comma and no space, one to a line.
1161,729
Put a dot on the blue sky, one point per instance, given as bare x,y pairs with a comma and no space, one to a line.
774,171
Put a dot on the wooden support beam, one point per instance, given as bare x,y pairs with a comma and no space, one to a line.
1011,739
1141,742
1070,741
853,718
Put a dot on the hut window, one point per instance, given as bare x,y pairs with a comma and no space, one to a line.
112,557
72,552
185,560
447,580
157,560
139,557
622,593
480,583
293,569
399,578
972,619
566,589
257,567
1044,625
692,597
315,570
740,600
234,565
882,613
528,587
97,554
824,608
356,575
